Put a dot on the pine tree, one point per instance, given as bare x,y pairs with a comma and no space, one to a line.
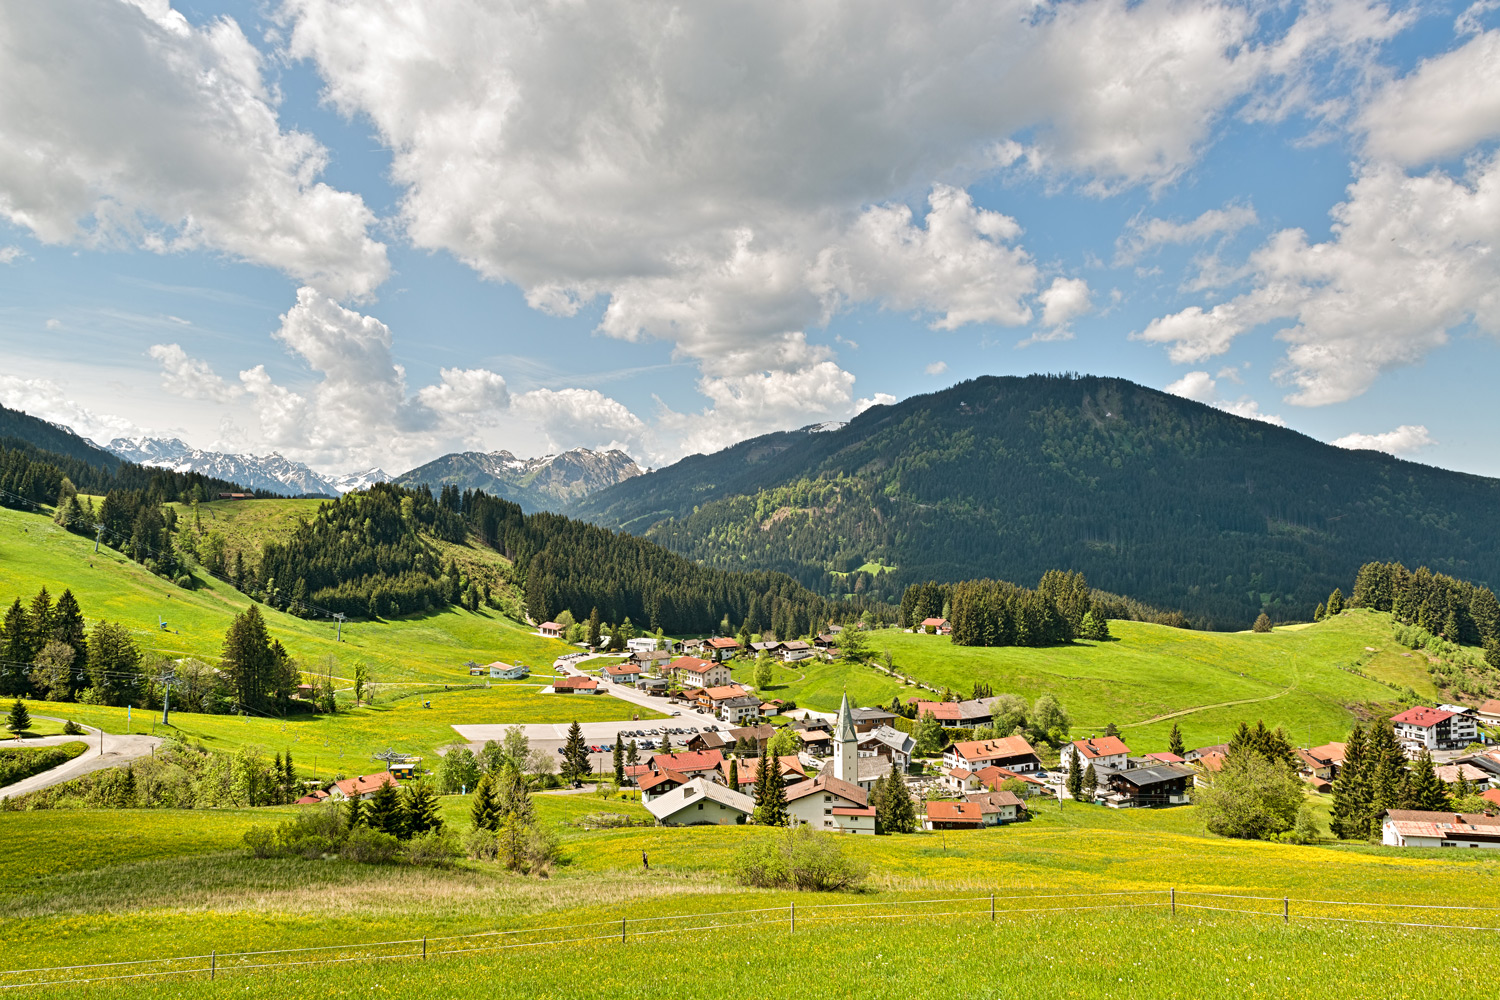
1335,603
1426,789
666,742
594,633
734,774
354,813
576,766
1262,623
114,663
248,659
880,799
19,720
902,811
619,762
15,646
1349,818
421,806
1174,741
633,754
1389,776
1318,612
482,806
770,809
1090,782
41,617
384,811
1075,774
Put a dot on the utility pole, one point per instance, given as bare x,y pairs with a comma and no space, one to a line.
98,534
338,618
167,678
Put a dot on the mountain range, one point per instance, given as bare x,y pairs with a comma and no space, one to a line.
272,472
551,482
1166,500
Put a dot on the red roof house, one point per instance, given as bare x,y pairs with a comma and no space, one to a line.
954,816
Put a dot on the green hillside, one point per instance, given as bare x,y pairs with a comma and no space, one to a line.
1168,501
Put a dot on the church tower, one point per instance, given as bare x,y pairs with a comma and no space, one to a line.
846,746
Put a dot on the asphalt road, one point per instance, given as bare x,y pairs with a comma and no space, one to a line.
118,751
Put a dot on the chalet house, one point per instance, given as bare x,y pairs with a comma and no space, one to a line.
796,650
635,772
831,803
935,626
508,671
883,741
817,741
622,673
823,640
1106,751
1222,749
709,741
1320,763
312,798
641,644
866,719
654,785
1012,753
993,777
1435,728
692,647
1489,712
363,787
746,771
701,802
1414,828
723,646
739,709
575,685
996,808
760,735
957,714
693,672
652,685
960,779
1207,766
651,658
693,763
1478,778
1162,785
953,816
551,630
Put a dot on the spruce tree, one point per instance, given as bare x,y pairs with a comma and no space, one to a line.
576,765
1335,603
1075,774
633,754
421,809
902,810
594,633
734,774
482,806
880,799
1174,741
1262,623
248,659
1349,818
619,762
19,720
512,798
1090,782
1426,789
1318,612
354,813
68,627
1388,781
15,646
384,811
770,802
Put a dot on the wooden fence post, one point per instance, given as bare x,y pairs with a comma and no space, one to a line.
794,918
1286,910
1173,891
213,965
992,907
424,947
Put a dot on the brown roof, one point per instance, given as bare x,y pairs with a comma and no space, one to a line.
1010,746
724,642
1491,707
1104,746
1493,795
1212,761
993,776
551,625
650,781
934,622
746,770
1421,716
620,669
955,812
828,783
312,798
995,800
1166,758
1332,753
1450,773
724,692
687,762
364,784
764,731
575,683
692,664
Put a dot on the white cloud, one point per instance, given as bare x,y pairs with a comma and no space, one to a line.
473,392
756,403
1202,387
1146,234
936,368
879,399
1403,440
581,418
51,400
1442,108
1410,259
11,254
53,324
1064,301
124,123
190,378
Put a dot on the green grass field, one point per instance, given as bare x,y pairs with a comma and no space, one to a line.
135,884
1206,682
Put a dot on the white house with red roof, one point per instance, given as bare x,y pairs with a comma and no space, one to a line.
1489,712
1011,752
362,787
748,769
1105,751
701,802
830,803
623,673
657,783
939,626
693,672
722,646
1413,828
691,763
958,714
953,816
551,630
1435,728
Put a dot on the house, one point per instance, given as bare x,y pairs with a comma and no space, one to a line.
551,630
622,673
693,672
651,658
712,698
817,741
1489,712
1160,758
1012,753
1137,787
993,777
1478,778
1207,766
701,802
312,798
1493,795
866,719
635,772
883,741
960,779
998,807
1435,728
760,735
748,769
575,685
796,650
652,685
363,787
938,626
739,709
1322,762
656,784
1414,828
305,692
953,816
641,644
692,763
823,640
709,741
828,802
236,496
722,646
508,672
1222,749
769,647
1106,751
957,714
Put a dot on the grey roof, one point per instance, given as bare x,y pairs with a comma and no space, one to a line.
740,701
893,738
1141,776
845,732
695,790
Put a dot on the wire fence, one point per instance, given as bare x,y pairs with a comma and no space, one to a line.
794,918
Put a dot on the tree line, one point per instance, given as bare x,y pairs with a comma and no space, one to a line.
997,613
1459,611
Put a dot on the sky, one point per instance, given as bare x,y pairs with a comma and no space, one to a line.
369,232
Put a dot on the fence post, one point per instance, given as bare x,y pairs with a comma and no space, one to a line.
213,965
622,930
794,918
992,907
1173,891
424,947
1286,910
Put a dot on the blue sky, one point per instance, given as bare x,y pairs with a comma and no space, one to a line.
366,234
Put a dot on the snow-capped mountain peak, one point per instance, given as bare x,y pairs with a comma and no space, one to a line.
274,472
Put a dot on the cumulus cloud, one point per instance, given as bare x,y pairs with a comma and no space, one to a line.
1402,441
473,392
1410,258
1145,234
1202,386
756,403
51,400
124,123
190,378
936,368
9,255
1442,108
581,418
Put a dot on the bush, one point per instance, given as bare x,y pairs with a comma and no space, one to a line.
371,847
1251,798
435,848
311,833
482,845
16,765
262,842
800,859
71,728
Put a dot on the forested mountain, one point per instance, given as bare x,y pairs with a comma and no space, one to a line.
47,436
547,483
1166,500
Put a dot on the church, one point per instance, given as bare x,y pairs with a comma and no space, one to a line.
834,800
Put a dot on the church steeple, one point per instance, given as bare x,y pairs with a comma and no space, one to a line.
846,749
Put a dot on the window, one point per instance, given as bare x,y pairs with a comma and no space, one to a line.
827,812
828,798
700,805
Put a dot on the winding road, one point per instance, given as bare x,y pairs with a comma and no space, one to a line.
118,751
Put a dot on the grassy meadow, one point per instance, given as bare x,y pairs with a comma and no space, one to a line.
141,884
